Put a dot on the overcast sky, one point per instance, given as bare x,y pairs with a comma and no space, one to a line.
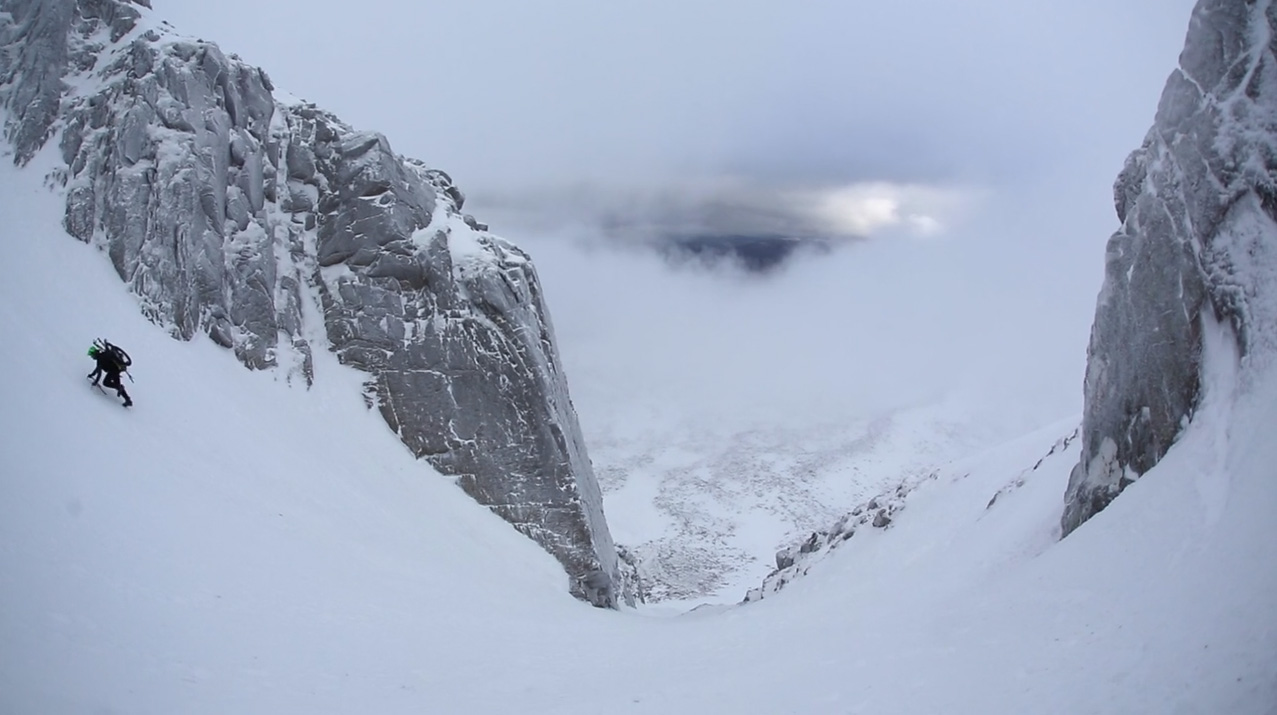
575,101
988,132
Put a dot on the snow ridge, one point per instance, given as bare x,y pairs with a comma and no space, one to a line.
797,560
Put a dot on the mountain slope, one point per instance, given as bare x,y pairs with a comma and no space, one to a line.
236,545
279,231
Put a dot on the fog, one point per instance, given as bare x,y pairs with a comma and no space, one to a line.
872,328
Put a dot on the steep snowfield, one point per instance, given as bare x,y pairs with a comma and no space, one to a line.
225,527
236,545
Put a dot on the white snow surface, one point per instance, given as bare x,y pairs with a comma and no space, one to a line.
233,544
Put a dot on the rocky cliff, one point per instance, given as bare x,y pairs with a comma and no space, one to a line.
1198,240
278,230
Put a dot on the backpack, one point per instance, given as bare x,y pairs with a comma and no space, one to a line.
114,353
121,358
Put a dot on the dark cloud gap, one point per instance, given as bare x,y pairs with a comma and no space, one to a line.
752,254
754,226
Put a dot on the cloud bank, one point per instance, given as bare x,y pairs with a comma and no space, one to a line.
735,208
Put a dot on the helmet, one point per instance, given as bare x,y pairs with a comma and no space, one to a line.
93,351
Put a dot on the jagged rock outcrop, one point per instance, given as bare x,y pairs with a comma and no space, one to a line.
277,230
1197,203
793,562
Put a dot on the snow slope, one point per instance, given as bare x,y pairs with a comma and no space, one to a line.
236,545
222,527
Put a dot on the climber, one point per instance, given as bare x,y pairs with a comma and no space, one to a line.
111,361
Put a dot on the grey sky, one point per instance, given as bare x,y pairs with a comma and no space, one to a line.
520,99
1002,122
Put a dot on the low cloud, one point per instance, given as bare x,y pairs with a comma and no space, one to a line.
879,326
875,208
731,207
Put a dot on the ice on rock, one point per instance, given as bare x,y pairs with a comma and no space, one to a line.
1197,203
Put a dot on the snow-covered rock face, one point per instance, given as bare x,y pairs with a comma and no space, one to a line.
275,228
1197,203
